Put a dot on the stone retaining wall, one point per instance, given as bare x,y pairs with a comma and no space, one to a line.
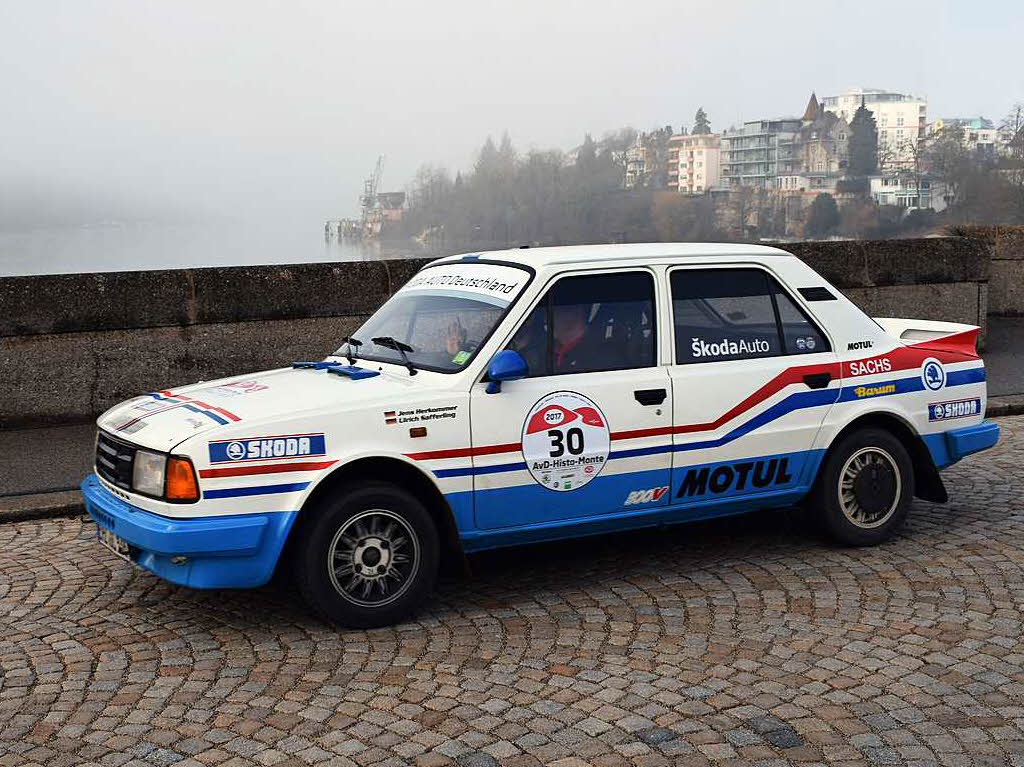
1006,291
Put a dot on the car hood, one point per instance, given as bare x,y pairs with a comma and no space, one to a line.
162,419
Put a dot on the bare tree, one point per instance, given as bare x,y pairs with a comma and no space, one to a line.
742,204
1012,128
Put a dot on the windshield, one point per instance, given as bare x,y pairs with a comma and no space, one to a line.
445,313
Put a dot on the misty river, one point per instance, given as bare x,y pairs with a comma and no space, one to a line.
129,246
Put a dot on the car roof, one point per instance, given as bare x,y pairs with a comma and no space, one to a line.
589,254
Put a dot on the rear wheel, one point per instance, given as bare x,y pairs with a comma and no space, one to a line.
863,492
368,557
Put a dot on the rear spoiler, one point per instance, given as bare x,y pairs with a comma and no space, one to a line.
938,336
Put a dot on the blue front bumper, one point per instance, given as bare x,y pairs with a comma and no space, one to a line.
238,551
948,447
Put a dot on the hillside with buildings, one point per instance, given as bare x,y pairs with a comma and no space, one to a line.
864,163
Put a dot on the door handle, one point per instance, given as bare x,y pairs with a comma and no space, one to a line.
817,380
650,396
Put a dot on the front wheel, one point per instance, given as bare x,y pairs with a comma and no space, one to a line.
368,557
863,492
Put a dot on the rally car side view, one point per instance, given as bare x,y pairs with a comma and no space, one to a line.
518,396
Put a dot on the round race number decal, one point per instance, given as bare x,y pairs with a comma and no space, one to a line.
565,441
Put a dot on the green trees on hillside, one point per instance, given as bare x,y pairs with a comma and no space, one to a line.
546,196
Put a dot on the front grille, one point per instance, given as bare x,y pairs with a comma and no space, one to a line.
114,460
106,519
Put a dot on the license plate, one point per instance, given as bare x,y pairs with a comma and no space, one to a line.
116,544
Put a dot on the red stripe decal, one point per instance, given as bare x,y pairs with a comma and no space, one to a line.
216,409
462,452
657,431
783,379
278,468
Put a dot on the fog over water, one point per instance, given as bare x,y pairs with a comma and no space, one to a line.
110,247
154,134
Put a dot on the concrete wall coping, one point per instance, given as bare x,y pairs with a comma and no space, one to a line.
68,303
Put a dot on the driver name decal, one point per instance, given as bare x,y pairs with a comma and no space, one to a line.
565,441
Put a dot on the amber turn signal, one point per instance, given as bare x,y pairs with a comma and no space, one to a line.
181,484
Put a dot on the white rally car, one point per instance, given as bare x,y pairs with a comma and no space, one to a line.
527,395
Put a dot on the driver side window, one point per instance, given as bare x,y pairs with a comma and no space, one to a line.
590,323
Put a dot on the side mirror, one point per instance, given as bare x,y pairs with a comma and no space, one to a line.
506,365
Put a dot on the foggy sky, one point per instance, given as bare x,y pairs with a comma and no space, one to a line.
279,110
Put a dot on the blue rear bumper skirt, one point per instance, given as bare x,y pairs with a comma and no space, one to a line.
238,551
948,447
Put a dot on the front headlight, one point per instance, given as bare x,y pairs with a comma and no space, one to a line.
148,473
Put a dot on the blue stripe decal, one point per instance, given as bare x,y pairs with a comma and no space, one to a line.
969,376
638,451
468,470
207,413
188,406
793,402
903,386
236,492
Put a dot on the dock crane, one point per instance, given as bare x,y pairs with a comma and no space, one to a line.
368,200
371,220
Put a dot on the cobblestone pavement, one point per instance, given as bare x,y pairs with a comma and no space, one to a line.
740,642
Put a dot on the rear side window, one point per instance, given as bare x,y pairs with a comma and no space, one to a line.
801,336
590,323
730,314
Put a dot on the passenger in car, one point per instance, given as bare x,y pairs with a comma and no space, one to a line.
569,332
578,345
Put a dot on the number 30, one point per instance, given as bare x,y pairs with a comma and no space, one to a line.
573,440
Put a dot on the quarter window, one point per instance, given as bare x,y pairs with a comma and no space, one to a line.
590,323
729,314
799,334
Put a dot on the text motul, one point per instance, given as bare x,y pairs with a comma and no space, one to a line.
735,476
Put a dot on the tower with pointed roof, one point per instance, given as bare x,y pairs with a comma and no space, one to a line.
814,110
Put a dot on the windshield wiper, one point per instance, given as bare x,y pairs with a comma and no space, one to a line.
390,343
352,348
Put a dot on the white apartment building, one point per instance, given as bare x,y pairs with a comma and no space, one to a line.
760,151
902,191
979,134
901,120
694,162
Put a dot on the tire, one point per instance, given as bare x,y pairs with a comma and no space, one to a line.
386,548
879,486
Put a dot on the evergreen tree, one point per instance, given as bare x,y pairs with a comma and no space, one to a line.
586,158
700,122
822,217
863,143
487,160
